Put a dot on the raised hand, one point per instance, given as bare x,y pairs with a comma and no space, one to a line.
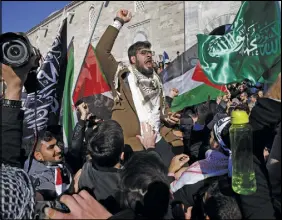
177,162
84,110
13,81
173,118
125,15
148,139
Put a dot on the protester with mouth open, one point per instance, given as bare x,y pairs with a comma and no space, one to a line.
137,89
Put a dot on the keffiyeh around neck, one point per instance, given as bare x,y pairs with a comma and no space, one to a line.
150,88
17,194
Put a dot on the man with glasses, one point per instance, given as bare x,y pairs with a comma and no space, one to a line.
137,90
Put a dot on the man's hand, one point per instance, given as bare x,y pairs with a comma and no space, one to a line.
81,206
125,15
177,162
178,174
13,81
218,99
173,93
84,110
76,180
173,118
148,139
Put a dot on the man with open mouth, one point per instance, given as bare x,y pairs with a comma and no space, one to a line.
137,90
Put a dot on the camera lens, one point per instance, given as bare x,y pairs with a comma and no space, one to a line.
15,53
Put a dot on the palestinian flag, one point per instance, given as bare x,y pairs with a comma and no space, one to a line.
69,117
184,75
92,86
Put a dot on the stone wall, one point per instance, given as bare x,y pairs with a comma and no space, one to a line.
162,23
205,16
170,26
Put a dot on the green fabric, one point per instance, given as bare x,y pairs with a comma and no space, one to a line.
195,96
68,117
252,47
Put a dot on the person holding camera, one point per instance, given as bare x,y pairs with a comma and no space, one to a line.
17,192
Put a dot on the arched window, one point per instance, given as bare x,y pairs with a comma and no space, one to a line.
140,36
91,17
139,6
221,30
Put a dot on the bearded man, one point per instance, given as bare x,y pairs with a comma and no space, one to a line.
138,93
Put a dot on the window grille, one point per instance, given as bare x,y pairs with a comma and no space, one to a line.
91,18
139,6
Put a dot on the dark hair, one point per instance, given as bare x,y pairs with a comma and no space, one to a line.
244,93
161,65
204,113
255,96
243,107
219,202
144,185
106,144
43,136
219,205
78,102
132,50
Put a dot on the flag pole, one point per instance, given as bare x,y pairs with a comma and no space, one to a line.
90,38
62,18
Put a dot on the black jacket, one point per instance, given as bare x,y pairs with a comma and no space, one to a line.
274,171
77,149
264,119
101,182
11,126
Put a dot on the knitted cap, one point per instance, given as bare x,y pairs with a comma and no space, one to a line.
17,194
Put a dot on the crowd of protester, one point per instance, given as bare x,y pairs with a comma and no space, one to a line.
101,176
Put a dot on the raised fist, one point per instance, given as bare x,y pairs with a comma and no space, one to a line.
125,15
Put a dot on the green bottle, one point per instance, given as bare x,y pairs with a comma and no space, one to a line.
241,140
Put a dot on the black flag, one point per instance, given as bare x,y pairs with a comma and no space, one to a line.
43,108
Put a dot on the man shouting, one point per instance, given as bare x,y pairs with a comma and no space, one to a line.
137,90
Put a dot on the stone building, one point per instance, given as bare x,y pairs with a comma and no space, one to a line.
170,26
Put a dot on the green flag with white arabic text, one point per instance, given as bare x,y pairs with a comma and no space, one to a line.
251,50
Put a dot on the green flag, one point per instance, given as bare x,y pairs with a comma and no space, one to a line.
251,50
69,115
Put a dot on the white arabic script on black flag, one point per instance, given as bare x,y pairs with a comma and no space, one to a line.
48,97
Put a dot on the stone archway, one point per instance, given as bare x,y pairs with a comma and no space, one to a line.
202,17
140,36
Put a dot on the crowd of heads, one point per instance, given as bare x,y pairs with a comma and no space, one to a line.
122,180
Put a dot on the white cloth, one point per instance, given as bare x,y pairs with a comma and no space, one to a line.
117,24
215,164
145,114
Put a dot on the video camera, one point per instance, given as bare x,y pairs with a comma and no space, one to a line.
17,52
